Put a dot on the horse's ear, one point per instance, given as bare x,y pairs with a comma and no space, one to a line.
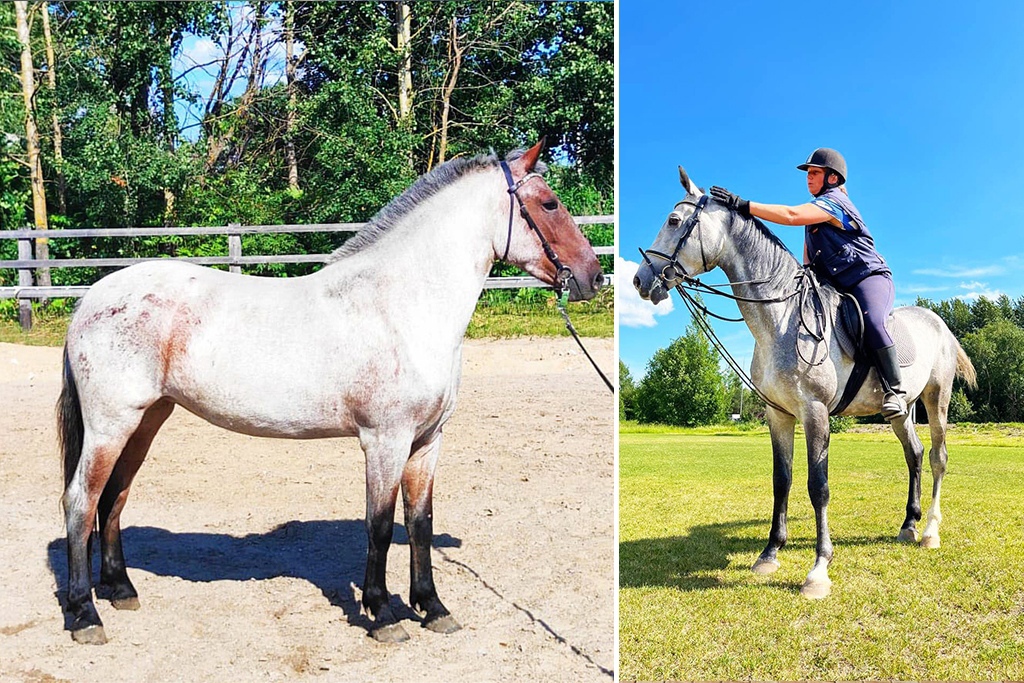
530,156
688,185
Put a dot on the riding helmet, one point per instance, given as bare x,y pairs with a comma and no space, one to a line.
827,158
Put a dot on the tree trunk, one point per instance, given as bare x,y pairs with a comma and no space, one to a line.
28,86
403,41
455,55
290,68
58,136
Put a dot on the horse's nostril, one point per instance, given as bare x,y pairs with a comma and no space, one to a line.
636,281
599,281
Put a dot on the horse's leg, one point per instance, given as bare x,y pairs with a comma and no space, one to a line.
936,401
418,495
815,421
781,426
113,572
386,455
100,451
913,451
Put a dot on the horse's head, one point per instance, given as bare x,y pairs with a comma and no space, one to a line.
541,236
689,243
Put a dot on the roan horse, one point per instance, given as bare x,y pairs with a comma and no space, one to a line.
804,377
369,346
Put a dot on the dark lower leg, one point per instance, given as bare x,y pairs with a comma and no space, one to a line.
379,530
417,494
782,481
817,489
80,603
113,570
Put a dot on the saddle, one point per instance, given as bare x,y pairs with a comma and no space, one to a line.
849,327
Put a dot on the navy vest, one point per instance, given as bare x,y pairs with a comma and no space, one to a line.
842,256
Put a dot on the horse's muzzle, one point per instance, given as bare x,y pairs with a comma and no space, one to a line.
585,293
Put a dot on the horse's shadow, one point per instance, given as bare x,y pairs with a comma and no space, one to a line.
330,554
694,562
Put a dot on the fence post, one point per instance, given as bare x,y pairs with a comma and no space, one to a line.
25,280
234,247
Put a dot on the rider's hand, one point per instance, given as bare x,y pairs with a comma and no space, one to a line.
720,194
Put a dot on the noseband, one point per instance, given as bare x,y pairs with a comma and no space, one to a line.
674,269
562,272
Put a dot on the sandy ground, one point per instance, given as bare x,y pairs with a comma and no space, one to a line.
248,553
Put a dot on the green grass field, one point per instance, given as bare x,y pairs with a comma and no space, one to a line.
695,512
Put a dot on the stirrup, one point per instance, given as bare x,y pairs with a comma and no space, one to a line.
893,406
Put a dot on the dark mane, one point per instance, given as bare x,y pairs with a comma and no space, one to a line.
425,187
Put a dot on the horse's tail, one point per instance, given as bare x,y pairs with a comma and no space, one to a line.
964,366
70,428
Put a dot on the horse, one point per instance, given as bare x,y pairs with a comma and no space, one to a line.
802,372
368,346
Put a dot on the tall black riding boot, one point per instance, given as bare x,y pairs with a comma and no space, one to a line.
894,404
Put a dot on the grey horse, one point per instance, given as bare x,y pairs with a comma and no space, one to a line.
804,377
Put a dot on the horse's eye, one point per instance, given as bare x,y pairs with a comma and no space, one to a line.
674,219
550,205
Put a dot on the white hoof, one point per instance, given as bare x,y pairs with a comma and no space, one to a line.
765,567
816,590
930,542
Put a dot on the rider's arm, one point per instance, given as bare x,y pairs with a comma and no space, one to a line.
804,214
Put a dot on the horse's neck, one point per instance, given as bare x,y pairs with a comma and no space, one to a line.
759,268
434,261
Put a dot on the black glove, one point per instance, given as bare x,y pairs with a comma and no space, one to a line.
720,194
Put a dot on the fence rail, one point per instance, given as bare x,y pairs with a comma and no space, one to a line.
25,264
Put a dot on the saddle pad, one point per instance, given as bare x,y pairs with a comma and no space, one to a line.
906,351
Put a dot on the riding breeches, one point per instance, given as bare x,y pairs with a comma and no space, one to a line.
875,294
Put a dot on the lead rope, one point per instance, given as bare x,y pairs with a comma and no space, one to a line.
562,297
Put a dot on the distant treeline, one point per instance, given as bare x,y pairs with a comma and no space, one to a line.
284,112
683,386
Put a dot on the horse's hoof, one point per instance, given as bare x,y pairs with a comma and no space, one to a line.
126,603
90,635
816,590
392,633
930,542
445,625
907,536
765,567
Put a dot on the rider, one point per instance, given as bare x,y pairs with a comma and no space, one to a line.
838,246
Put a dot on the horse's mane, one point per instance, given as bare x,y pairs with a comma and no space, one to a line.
757,235
425,187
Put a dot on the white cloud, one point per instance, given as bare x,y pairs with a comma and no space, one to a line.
962,272
921,289
976,290
634,311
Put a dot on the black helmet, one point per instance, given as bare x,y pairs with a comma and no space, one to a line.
827,158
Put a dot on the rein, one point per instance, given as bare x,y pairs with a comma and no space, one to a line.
563,273
806,285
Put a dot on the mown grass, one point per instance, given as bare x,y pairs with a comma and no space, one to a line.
695,512
503,320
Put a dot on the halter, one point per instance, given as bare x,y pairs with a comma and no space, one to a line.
562,272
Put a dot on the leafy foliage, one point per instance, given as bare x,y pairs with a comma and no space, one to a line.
682,385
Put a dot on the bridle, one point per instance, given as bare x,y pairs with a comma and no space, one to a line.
673,263
674,270
563,273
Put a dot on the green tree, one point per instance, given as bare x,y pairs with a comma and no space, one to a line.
627,394
997,351
682,385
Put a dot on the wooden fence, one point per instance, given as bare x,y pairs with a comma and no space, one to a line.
25,264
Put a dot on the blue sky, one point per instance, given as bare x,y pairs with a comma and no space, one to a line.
924,99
